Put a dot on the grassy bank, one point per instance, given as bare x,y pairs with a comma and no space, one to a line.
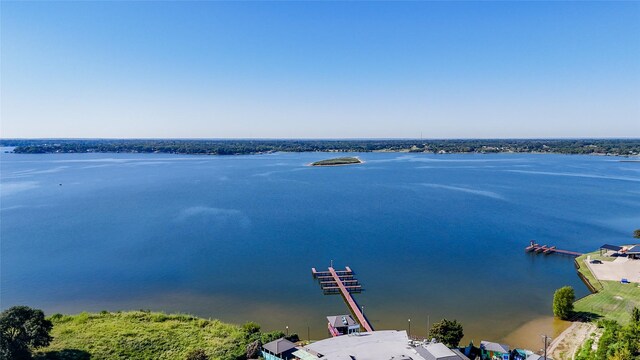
143,335
612,300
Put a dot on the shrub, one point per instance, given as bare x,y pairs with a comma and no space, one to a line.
21,330
198,354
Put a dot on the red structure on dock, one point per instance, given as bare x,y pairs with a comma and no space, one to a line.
544,249
335,281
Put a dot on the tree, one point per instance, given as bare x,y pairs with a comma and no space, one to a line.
636,233
563,300
23,329
635,315
447,332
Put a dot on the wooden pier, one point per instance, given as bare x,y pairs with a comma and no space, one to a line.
335,281
546,250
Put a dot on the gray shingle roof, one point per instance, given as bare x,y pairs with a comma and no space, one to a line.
491,346
279,346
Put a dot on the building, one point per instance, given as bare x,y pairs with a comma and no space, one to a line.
538,357
281,349
615,249
342,325
383,345
633,252
438,351
491,350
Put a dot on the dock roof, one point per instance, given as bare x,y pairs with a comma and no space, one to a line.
611,247
337,320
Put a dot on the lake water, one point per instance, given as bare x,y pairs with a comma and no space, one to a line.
429,236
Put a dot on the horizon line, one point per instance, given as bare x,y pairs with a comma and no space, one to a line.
320,139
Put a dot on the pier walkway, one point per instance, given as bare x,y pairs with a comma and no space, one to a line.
343,281
544,249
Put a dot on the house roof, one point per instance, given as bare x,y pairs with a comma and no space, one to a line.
537,357
279,346
634,250
611,247
438,351
383,345
460,354
341,320
491,346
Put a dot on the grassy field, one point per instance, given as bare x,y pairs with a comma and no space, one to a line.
141,335
612,300
337,161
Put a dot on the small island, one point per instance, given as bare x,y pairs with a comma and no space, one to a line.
338,161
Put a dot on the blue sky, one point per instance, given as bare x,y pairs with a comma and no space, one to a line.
320,69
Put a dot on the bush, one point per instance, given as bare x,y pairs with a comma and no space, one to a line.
563,300
198,354
21,330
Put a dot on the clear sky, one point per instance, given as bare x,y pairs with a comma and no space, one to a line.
320,69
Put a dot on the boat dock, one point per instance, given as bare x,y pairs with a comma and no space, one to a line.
335,281
546,250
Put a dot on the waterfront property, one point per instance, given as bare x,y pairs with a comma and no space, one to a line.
611,299
492,350
390,345
610,250
438,351
281,349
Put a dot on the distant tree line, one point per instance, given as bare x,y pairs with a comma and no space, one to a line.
625,147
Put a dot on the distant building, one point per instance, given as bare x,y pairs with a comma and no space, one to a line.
439,351
491,350
342,325
281,349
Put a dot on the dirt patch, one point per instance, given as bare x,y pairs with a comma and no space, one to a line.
566,344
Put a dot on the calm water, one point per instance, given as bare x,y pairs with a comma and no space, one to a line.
235,237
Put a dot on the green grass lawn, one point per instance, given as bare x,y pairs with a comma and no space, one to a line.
141,335
613,300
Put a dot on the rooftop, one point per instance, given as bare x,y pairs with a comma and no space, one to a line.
341,320
611,247
279,346
491,346
439,351
383,345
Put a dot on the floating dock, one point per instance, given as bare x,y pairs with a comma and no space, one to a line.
545,249
335,281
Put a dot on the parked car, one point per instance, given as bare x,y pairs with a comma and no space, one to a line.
595,262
